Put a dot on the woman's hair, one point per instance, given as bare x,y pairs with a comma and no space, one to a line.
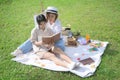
40,18
56,15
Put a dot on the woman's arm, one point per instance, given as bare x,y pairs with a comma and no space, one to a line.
58,26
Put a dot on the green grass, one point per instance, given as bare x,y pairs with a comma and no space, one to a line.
99,18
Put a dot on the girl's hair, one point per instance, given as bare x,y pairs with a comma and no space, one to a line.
40,18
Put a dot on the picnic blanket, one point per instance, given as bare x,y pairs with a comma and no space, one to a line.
77,54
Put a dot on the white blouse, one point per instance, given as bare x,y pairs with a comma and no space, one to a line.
56,27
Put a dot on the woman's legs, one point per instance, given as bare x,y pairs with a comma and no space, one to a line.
26,46
60,44
23,48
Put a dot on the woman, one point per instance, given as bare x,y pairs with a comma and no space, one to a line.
54,24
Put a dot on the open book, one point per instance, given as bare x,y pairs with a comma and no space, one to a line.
51,39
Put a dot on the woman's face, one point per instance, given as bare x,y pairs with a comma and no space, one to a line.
51,17
42,25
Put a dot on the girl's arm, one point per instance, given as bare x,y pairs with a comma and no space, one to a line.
34,38
37,43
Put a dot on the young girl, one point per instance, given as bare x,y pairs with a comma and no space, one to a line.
36,35
52,22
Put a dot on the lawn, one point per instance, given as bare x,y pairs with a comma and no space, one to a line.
98,18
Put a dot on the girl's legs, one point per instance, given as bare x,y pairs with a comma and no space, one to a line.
52,57
62,55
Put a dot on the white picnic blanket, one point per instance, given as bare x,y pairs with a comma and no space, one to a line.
75,53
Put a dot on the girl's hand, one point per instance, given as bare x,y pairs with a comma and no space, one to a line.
38,43
48,45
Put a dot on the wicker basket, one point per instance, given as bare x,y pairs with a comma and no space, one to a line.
72,42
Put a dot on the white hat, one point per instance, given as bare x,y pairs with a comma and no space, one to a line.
52,10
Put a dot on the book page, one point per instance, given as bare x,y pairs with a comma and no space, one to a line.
47,40
56,37
51,39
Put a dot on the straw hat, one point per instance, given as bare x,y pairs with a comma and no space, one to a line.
51,9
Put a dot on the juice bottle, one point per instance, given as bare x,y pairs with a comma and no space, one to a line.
87,38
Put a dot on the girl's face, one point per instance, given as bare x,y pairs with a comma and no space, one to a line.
51,17
42,25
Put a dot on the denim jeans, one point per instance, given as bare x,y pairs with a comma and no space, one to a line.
60,44
27,45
